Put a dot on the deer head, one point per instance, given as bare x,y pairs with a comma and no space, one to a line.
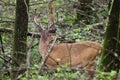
79,54
46,36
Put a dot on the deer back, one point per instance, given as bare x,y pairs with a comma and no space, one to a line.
69,54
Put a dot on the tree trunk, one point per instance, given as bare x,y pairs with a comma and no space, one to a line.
20,35
110,58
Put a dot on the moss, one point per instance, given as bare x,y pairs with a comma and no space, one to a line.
109,61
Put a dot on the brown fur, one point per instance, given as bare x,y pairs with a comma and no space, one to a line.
79,54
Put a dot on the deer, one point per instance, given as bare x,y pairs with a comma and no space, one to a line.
75,55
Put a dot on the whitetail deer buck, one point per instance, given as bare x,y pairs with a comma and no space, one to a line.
79,54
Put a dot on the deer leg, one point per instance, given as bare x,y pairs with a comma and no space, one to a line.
91,70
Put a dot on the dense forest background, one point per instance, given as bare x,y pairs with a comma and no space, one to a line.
78,20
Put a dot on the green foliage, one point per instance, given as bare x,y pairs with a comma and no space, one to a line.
66,74
107,75
81,34
43,78
78,32
4,77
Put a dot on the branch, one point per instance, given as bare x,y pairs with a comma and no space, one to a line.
101,24
17,69
3,21
6,30
9,30
37,35
37,3
1,44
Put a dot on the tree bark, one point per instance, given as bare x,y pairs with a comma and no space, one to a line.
110,58
20,35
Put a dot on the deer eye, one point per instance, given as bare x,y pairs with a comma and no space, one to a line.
52,31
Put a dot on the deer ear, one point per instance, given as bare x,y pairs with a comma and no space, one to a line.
52,31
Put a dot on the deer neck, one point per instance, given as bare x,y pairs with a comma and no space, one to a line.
43,47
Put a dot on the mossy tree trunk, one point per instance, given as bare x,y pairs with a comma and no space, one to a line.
20,36
110,58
